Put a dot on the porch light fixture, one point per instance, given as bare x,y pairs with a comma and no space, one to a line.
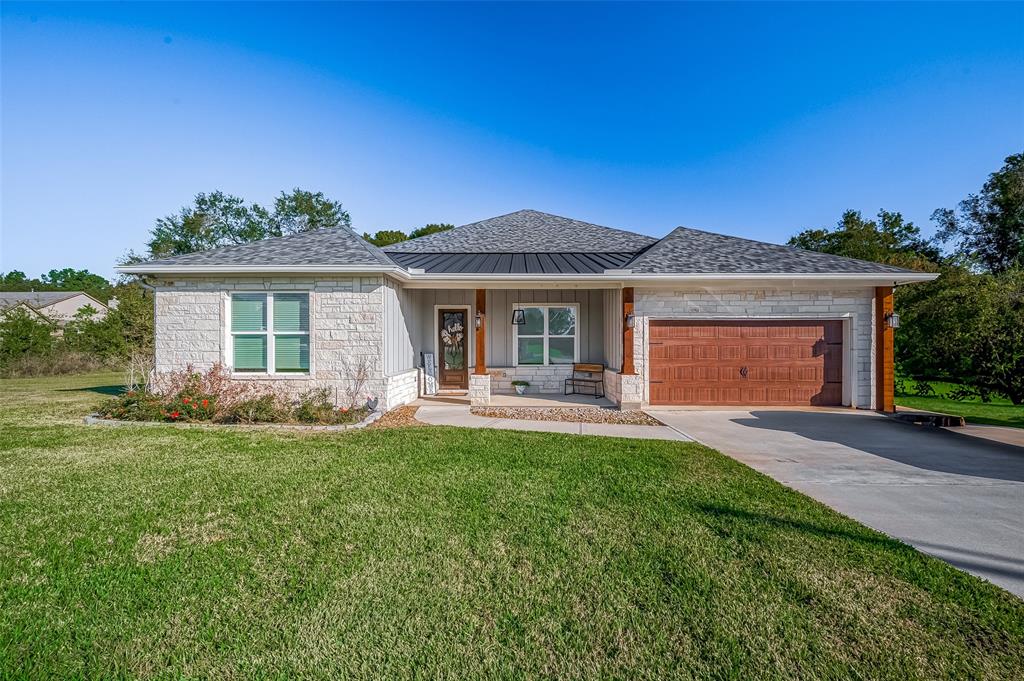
892,320
630,321
479,320
518,317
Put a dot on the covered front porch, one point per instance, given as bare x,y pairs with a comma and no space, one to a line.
475,344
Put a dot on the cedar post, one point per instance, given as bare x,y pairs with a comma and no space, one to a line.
481,333
627,333
885,357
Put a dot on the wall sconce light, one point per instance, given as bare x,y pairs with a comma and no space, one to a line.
518,317
630,321
479,320
892,320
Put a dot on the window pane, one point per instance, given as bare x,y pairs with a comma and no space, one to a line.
291,353
561,350
534,325
249,312
562,321
250,353
531,350
291,312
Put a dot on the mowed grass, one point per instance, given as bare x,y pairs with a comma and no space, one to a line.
448,553
999,412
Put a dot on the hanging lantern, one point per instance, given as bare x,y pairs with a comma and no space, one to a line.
518,317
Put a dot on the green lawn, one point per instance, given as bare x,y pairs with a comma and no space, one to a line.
999,412
438,552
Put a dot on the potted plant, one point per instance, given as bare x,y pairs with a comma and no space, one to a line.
521,386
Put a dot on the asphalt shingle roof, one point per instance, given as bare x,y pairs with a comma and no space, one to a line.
692,251
526,231
336,246
34,299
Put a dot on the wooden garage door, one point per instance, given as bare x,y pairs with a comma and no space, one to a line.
746,362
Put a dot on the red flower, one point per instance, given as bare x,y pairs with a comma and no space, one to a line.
343,410
206,402
185,400
175,414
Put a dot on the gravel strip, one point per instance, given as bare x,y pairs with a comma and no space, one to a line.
585,415
402,417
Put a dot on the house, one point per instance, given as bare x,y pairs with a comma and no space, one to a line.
58,307
693,318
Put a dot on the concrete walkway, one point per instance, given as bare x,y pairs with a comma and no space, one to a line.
458,415
957,496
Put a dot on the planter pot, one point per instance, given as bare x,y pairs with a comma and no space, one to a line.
520,389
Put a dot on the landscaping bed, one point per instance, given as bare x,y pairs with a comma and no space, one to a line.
633,417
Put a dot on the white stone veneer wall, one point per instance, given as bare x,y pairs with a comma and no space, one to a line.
402,388
853,305
542,379
479,390
346,329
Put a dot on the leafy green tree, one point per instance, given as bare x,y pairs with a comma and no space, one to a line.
21,333
385,237
133,316
69,279
968,327
432,228
218,219
304,211
99,337
890,239
16,280
988,228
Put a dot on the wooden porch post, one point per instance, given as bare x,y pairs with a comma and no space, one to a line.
627,333
481,333
885,357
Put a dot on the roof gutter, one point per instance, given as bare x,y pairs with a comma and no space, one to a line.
622,277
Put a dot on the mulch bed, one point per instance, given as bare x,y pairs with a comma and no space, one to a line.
582,414
402,417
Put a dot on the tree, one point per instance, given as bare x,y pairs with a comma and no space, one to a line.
432,228
303,211
890,240
385,237
16,280
988,228
23,332
218,219
69,279
968,327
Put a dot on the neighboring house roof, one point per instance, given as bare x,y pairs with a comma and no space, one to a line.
336,246
532,244
526,231
40,299
692,251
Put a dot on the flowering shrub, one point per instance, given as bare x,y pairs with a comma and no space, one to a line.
211,396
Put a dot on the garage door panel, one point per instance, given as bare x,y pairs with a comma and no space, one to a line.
746,362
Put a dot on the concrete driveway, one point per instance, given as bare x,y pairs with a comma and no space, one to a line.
957,497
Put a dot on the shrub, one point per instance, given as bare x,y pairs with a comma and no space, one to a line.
23,333
134,406
315,406
58,362
263,409
923,389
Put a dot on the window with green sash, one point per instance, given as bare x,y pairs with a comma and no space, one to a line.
548,334
270,332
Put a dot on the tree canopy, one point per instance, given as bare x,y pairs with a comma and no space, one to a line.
890,239
987,230
219,219
66,279
386,237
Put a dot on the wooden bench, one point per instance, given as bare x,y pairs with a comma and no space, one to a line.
583,380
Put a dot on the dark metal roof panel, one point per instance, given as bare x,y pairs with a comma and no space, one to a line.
512,263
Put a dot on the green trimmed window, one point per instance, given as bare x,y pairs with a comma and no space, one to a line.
270,332
548,335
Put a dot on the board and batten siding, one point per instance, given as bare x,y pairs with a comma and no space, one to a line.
613,328
499,317
400,355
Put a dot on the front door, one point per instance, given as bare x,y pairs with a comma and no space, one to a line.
452,341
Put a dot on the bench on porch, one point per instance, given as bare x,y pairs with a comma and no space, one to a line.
583,380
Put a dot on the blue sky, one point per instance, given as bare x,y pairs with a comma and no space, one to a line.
750,119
